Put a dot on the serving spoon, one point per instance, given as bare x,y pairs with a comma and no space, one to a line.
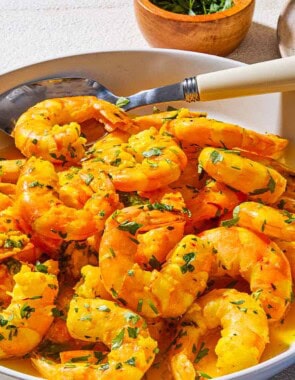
260,78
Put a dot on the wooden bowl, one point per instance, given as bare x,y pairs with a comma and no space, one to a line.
218,33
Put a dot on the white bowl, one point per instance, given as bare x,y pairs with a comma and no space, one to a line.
126,72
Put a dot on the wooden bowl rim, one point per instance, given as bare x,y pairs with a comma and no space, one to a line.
239,5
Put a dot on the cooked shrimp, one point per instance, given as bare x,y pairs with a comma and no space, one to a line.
288,248
208,132
51,128
91,284
124,332
7,270
264,219
5,201
57,341
190,181
212,201
44,214
74,256
287,199
90,189
29,315
157,119
165,291
13,241
241,252
244,333
10,170
252,178
154,244
148,161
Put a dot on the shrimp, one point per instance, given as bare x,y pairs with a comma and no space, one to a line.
51,129
10,170
287,199
244,333
157,119
8,269
74,256
190,181
209,132
212,201
279,224
25,321
58,339
5,201
154,244
288,248
239,251
148,161
13,241
78,186
44,214
132,350
252,178
166,291
91,284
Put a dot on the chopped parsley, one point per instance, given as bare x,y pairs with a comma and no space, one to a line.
129,226
215,157
188,267
118,340
203,351
152,152
121,102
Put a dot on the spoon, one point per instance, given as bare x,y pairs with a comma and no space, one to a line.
286,30
260,78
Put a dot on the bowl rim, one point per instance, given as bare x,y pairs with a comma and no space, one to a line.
277,361
239,6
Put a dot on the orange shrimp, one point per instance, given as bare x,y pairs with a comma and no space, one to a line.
51,129
10,170
209,132
43,213
212,201
288,248
157,119
244,333
167,290
240,252
148,161
14,241
129,350
264,219
29,315
252,178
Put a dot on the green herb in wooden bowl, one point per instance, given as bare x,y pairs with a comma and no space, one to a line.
207,26
194,7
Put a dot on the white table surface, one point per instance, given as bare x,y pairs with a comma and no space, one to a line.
37,30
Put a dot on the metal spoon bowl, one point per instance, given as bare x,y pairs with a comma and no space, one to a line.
286,30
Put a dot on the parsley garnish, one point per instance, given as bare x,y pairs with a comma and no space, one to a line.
201,353
129,226
118,340
152,152
188,267
215,157
194,7
41,268
121,102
